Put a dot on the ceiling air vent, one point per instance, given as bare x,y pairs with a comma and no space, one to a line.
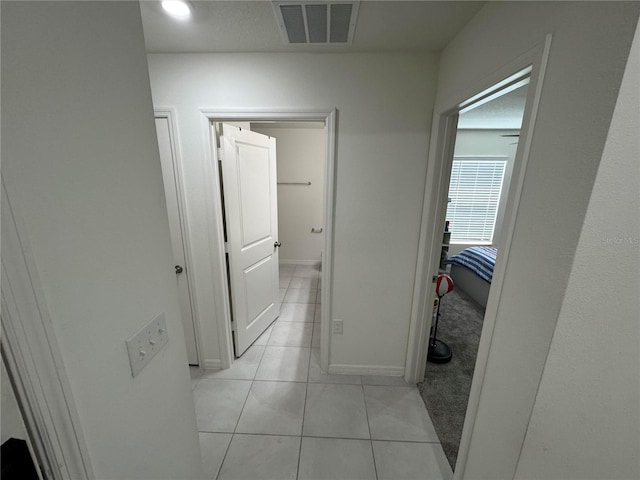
312,22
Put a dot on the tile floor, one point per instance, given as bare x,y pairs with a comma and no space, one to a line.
274,415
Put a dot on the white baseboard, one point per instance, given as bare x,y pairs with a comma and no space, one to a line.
212,364
299,262
366,370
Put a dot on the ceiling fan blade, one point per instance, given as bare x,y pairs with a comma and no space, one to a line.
511,135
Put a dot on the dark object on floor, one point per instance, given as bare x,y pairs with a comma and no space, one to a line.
16,461
446,387
439,352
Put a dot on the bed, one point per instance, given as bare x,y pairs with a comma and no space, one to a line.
472,271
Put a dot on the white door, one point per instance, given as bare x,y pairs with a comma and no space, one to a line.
251,215
167,160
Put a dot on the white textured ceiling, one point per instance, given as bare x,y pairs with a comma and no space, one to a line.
250,26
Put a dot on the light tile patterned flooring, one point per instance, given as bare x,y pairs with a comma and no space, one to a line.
274,415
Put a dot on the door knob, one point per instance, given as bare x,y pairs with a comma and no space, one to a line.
178,269
276,244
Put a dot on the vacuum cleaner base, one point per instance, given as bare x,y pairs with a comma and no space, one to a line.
439,352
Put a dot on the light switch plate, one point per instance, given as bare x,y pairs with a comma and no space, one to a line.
145,344
337,326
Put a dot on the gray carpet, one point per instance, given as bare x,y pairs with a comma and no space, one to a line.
446,387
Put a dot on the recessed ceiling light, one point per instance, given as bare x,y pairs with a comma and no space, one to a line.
177,8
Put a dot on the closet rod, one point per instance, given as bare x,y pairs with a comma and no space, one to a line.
294,183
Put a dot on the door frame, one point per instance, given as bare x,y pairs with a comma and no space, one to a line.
170,115
33,360
533,64
214,213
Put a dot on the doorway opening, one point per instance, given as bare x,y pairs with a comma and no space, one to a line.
300,148
530,66
271,176
477,185
323,121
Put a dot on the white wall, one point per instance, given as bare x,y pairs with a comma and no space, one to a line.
588,55
81,164
585,422
488,143
301,155
384,104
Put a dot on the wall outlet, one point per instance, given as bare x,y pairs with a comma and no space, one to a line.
336,327
145,344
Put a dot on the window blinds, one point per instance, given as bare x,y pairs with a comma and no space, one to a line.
474,193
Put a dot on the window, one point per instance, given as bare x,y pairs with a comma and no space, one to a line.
474,196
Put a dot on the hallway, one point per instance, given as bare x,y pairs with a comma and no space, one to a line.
274,415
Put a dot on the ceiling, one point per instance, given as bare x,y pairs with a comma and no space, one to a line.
504,112
250,26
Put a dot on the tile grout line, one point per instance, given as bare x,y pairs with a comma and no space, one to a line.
233,434
304,411
366,412
322,436
226,450
243,406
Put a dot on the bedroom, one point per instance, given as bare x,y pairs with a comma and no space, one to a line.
484,154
